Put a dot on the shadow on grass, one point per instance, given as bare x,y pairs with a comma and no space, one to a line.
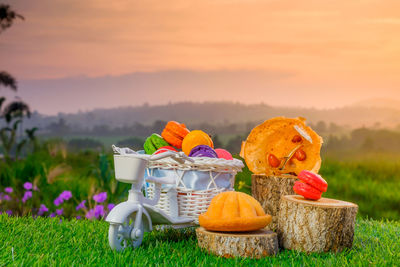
170,235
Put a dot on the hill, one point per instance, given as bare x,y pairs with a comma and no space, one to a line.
379,103
219,113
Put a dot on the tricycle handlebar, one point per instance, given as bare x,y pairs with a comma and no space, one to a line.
178,156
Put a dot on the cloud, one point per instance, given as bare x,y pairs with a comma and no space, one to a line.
393,21
97,37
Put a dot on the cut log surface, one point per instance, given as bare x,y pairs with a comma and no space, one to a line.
268,190
316,226
255,244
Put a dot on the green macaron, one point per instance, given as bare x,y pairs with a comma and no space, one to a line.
154,142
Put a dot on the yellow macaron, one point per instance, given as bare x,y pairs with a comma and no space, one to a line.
196,138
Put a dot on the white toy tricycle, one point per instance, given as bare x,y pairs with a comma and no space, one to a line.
177,190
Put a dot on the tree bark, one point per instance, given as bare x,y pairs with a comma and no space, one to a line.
255,244
316,226
268,190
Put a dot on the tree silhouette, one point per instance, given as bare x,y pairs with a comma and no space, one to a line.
7,16
16,109
6,80
14,112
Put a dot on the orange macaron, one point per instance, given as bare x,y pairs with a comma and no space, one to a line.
174,133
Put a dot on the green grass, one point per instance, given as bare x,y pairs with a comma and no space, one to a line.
373,184
49,242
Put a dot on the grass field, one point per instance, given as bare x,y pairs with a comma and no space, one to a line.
48,242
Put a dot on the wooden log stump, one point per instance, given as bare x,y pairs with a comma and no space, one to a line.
268,190
316,226
256,244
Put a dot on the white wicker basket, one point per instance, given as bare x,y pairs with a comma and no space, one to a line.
196,184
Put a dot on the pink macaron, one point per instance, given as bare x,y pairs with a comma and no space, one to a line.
223,154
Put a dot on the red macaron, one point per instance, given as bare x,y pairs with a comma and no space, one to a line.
311,185
165,149
307,191
314,180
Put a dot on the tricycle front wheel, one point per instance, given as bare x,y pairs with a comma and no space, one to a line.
122,236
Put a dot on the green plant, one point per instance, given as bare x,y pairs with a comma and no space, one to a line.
105,178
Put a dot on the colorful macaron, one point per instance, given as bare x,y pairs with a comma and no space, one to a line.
203,151
154,142
174,133
311,185
165,149
196,138
223,154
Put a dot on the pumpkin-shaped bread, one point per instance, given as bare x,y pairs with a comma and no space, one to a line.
234,212
282,146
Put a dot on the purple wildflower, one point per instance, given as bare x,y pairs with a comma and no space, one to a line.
27,195
99,211
78,217
9,212
81,205
58,201
6,197
100,197
59,212
90,214
28,186
66,195
8,190
110,206
42,209
52,215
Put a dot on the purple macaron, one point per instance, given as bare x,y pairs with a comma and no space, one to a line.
203,151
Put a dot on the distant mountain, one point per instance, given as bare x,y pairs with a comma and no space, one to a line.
70,94
379,103
219,113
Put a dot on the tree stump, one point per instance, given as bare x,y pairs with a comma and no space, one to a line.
316,226
256,244
268,190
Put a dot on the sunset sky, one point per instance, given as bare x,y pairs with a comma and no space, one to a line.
321,54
